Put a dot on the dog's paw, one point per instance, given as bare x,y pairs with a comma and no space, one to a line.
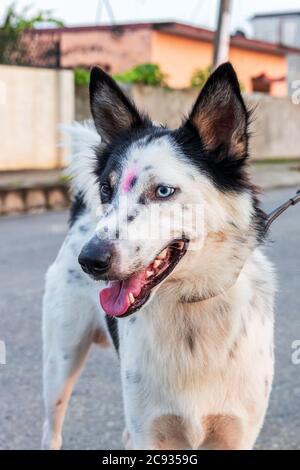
49,441
126,439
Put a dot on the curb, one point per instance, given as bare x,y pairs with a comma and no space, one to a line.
35,198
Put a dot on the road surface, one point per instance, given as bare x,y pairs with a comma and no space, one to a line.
95,419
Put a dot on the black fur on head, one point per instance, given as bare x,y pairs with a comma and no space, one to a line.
215,135
118,122
113,113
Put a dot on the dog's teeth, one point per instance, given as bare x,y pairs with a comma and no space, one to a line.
180,245
131,297
163,254
149,274
156,263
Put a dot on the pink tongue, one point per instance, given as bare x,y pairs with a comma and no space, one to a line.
114,298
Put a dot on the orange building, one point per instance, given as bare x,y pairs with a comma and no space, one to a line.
178,48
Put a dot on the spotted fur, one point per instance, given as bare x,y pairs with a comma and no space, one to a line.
197,359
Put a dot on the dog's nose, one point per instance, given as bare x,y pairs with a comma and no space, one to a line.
95,257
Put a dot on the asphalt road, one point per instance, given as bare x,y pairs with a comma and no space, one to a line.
95,421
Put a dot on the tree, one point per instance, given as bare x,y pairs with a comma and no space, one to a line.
12,28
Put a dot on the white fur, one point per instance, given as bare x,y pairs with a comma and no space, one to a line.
188,360
81,169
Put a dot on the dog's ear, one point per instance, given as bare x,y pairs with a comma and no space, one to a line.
112,111
220,115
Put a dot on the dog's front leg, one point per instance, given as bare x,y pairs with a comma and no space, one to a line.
61,370
69,325
126,439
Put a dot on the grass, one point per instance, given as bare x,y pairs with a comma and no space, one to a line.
65,179
272,161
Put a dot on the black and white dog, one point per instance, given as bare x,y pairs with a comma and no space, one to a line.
190,307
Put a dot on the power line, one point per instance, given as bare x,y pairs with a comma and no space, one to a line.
195,10
110,11
100,7
99,12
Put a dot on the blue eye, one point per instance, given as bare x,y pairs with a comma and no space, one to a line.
163,192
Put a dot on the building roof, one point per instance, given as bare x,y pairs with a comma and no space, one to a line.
178,29
274,14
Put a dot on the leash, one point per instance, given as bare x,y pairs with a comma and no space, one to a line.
270,219
282,208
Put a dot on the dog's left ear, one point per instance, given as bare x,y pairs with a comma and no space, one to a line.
220,115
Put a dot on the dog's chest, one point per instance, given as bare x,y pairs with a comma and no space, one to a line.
170,365
182,379
170,397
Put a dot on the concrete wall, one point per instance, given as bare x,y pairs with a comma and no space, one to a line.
32,103
82,103
276,126
293,72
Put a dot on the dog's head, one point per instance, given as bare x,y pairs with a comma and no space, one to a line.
177,206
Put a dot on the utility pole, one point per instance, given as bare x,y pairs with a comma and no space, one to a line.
222,34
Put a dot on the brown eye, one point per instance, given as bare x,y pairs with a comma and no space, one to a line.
105,192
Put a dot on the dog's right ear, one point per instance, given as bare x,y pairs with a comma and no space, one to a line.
220,116
112,111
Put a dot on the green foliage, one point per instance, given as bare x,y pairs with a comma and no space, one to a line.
242,87
12,27
143,74
18,22
200,76
65,179
81,76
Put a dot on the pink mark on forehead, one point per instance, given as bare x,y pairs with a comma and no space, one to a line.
129,180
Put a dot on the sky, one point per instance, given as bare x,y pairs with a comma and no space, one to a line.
200,12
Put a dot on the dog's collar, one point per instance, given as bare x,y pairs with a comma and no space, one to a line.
195,298
270,219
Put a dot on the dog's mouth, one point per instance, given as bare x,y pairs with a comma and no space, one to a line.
124,297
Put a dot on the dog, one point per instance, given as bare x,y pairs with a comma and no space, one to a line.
189,311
